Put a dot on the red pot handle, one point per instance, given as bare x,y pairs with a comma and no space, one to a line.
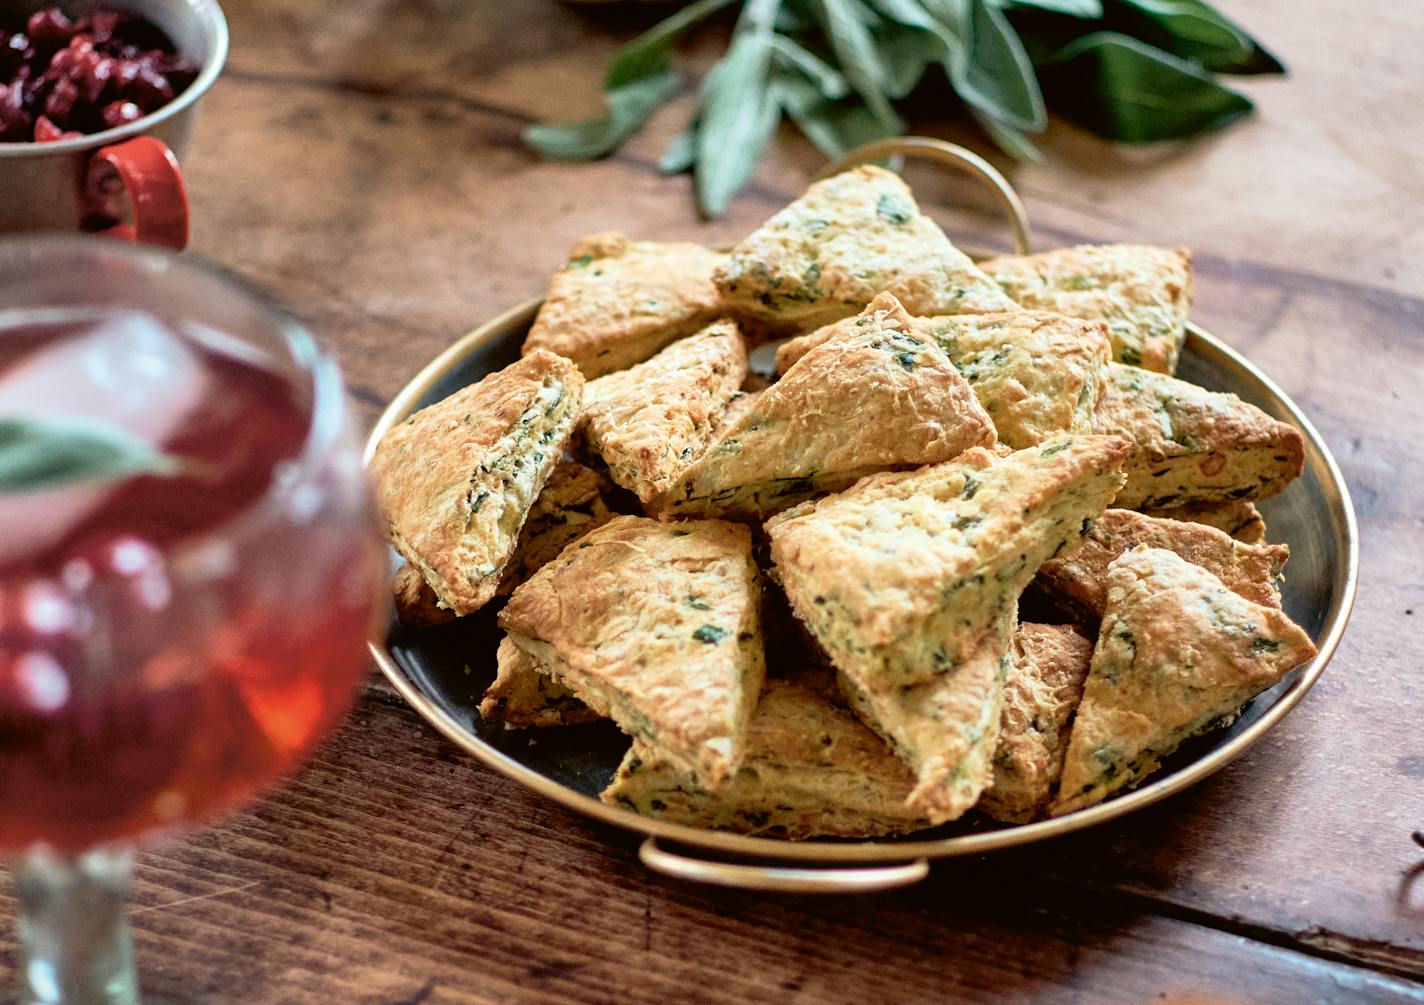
147,171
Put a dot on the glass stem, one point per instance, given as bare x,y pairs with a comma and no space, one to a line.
75,945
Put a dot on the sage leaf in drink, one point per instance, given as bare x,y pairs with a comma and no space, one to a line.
46,452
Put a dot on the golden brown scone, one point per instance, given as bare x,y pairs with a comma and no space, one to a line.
1143,293
1177,653
521,696
649,422
618,301
848,238
575,500
873,398
946,728
1241,520
416,603
656,626
455,481
1194,445
900,577
810,770
1045,683
1079,576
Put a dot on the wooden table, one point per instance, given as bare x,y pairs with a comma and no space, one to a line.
362,160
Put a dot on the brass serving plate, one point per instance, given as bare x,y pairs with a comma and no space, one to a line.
443,671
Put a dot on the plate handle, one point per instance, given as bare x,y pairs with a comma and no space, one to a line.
782,879
929,148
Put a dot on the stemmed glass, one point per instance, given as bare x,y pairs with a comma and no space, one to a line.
170,643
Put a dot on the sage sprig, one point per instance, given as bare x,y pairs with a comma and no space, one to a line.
1137,71
40,453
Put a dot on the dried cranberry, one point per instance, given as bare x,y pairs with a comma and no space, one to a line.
49,26
116,113
104,24
12,53
98,71
150,89
47,132
59,106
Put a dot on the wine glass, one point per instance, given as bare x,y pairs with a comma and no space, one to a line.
171,641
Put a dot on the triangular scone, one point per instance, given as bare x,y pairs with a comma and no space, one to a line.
1079,576
416,603
656,626
455,481
849,237
900,577
1241,520
618,301
521,696
1142,292
810,770
873,398
647,423
1045,684
1177,653
1194,445
946,728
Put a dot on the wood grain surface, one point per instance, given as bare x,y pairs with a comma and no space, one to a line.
362,161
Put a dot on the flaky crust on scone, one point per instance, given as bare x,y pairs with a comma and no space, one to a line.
1240,520
848,238
874,397
520,696
900,577
1142,293
1045,683
1177,653
946,728
1079,576
649,422
618,301
455,481
656,626
810,770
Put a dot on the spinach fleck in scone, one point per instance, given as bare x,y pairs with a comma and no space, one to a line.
1143,293
900,577
1079,576
875,397
522,696
1178,652
656,626
946,728
647,423
618,301
1193,445
455,481
1038,375
827,255
1044,686
1241,520
810,770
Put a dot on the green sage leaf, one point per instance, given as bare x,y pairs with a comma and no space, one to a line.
835,127
41,453
844,24
1124,89
1193,30
1008,139
646,55
736,118
995,74
828,80
681,154
628,108
906,54
1073,8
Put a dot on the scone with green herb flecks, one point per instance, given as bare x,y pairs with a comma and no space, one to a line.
1038,375
455,481
810,770
848,238
1079,576
1193,445
649,422
1241,520
946,728
656,626
522,696
618,301
1045,683
875,397
900,577
1177,653
1142,293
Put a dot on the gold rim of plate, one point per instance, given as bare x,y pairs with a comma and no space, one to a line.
901,861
